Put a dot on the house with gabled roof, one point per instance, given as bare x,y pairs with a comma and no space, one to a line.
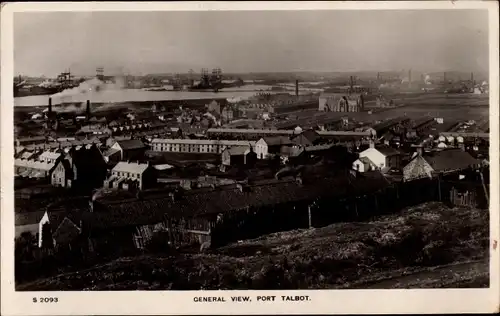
271,146
34,222
128,175
239,155
31,168
131,149
381,157
430,164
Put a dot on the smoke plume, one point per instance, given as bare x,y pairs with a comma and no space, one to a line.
87,89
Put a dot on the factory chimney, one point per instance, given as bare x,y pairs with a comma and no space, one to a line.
50,106
88,110
409,77
445,78
297,88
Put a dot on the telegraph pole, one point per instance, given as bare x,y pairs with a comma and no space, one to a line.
484,186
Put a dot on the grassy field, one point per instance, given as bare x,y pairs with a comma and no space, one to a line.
429,246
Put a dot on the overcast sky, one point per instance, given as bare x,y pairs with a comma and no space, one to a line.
148,42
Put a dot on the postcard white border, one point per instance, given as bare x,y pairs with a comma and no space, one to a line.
177,303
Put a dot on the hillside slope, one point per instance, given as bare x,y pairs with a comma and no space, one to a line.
425,246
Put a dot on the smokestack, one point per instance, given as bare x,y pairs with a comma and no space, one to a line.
445,78
409,77
88,109
50,106
296,87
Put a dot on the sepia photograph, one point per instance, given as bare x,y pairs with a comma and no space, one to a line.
202,150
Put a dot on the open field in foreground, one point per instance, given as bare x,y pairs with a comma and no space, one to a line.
425,246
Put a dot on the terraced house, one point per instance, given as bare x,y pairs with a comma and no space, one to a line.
131,175
196,145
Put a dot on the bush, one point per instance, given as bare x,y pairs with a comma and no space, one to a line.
159,243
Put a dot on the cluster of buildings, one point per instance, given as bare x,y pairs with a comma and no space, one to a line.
132,176
341,102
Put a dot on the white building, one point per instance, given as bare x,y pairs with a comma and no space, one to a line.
363,164
377,158
196,145
125,174
267,146
49,156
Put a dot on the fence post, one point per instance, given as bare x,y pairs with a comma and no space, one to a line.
309,215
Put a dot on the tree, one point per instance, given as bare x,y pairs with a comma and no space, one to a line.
24,246
47,241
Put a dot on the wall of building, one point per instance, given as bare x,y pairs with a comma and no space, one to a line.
417,168
59,176
375,156
214,148
358,165
261,149
394,162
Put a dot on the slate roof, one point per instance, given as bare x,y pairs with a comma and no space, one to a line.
277,140
66,231
366,161
343,133
27,155
110,152
50,155
388,136
131,144
28,218
33,164
132,167
303,140
387,151
388,123
319,147
208,201
250,131
451,159
31,139
238,150
94,128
